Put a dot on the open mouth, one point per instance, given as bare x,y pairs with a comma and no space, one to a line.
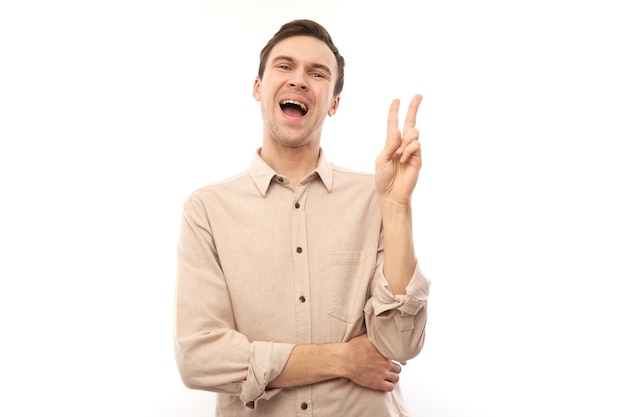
293,108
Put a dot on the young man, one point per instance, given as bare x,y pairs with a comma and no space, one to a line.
298,289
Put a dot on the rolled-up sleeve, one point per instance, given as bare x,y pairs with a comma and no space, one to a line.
210,353
267,361
396,323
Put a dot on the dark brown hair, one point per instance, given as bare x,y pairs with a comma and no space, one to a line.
304,27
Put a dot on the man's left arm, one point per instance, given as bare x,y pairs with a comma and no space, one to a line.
396,314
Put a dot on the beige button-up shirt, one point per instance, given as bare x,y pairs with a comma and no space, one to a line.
263,266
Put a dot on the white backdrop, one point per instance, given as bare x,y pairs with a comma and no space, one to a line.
112,112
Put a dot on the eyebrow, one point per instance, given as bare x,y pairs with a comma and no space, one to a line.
290,59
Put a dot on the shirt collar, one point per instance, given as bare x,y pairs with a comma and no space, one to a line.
262,174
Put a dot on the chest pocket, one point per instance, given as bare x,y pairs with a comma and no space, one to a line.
347,281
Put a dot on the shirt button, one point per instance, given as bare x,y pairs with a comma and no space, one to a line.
304,406
299,249
297,205
302,299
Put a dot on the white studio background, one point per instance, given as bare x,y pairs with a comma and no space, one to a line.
112,112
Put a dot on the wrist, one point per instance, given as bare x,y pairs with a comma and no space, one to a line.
393,207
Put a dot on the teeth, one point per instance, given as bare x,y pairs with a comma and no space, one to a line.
297,103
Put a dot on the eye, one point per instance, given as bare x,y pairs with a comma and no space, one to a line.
318,75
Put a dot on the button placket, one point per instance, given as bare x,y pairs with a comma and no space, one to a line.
303,405
301,266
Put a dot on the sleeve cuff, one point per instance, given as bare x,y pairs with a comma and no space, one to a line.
384,300
267,360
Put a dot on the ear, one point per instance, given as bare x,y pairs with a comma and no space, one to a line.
256,90
333,106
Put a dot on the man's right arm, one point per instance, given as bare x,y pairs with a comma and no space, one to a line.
356,360
213,355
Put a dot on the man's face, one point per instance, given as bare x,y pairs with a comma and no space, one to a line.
296,92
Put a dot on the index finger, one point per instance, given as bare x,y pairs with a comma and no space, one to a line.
411,114
392,120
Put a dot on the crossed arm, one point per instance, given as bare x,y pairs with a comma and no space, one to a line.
356,360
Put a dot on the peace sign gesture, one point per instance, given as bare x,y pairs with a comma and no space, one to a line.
398,165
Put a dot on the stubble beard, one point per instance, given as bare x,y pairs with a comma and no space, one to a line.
282,135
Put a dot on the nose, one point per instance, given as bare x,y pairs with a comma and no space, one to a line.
298,80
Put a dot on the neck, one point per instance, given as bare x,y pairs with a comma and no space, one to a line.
293,162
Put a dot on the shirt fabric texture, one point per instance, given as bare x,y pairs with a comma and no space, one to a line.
263,266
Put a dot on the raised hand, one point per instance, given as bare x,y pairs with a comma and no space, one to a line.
398,165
